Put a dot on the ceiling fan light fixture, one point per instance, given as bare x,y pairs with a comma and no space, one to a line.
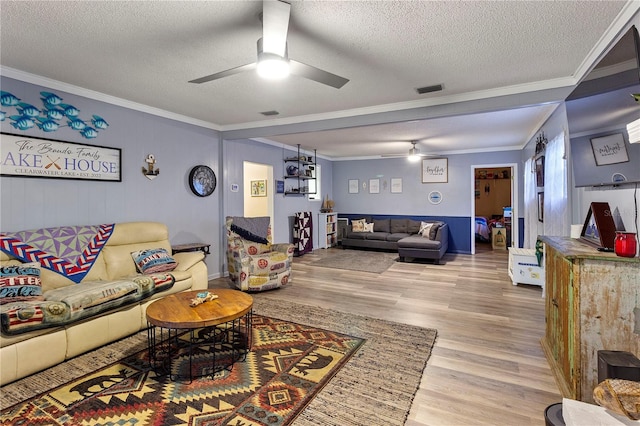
414,155
273,67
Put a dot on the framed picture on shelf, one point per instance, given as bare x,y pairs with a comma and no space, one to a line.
599,229
259,188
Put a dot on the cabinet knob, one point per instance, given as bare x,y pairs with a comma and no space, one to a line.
554,302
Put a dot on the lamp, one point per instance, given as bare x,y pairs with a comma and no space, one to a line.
633,129
271,65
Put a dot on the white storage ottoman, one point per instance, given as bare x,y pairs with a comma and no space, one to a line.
523,267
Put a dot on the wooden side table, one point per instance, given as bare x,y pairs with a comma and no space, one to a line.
208,338
178,248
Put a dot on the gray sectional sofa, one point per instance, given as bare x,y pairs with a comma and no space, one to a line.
402,235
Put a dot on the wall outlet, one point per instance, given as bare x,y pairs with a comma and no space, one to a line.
636,314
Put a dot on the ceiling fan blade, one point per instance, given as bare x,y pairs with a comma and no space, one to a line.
316,74
275,25
221,74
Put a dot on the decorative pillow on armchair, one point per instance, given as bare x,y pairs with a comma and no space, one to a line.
151,261
20,283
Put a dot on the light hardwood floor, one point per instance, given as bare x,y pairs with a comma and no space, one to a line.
487,366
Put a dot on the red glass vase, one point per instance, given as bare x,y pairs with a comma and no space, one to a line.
625,244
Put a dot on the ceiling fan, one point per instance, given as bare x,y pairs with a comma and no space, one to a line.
412,155
273,60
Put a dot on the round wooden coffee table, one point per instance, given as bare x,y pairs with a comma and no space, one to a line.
189,342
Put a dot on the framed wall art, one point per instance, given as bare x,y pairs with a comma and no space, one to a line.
540,171
609,149
28,156
259,188
541,206
396,185
435,170
353,186
374,186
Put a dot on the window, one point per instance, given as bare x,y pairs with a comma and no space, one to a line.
314,185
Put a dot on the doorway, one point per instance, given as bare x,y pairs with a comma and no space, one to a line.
258,188
494,201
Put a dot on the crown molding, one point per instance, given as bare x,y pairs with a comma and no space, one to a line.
102,97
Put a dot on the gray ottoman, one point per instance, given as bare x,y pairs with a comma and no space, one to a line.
421,248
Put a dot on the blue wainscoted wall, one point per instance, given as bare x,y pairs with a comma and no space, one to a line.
459,228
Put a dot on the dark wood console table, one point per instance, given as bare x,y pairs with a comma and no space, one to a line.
178,248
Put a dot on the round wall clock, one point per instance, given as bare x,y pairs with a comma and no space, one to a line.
202,181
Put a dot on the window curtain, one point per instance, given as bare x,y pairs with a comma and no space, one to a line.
556,220
530,205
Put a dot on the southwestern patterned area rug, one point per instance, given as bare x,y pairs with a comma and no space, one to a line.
340,369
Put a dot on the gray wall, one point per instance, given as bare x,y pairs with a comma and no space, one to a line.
285,206
456,193
30,203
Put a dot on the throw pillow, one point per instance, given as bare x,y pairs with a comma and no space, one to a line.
358,225
425,229
381,225
150,261
368,227
434,230
20,283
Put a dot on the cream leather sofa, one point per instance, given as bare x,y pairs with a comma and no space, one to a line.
33,351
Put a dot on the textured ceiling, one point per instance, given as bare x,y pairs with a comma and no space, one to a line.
146,52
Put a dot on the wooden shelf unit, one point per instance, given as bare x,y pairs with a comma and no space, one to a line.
327,230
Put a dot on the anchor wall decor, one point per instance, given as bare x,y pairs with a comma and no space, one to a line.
150,173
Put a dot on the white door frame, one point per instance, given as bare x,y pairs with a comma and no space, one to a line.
515,228
270,189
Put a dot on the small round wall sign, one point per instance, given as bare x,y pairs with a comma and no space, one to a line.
435,197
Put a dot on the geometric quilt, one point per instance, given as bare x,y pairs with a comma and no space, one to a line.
287,365
67,250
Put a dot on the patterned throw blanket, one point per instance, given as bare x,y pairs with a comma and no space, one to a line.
67,250
252,228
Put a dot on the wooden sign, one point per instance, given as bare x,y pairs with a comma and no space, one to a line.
27,156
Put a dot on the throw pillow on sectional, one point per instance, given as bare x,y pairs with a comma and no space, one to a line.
425,229
358,225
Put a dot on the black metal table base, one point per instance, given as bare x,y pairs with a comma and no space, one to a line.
203,352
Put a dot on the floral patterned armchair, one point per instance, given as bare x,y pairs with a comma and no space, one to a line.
253,261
